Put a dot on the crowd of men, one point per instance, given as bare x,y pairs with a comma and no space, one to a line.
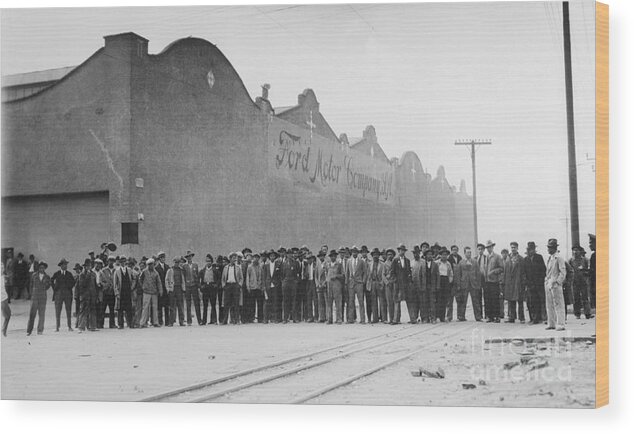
293,285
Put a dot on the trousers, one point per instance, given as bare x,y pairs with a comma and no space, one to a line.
536,298
289,288
63,298
555,306
492,300
389,300
191,296
38,307
311,310
6,316
461,304
356,290
176,306
88,312
149,300
231,300
334,295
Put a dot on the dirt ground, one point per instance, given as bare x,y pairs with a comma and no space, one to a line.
129,365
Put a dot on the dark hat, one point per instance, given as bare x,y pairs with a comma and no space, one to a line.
62,261
430,251
92,252
577,247
354,249
552,242
281,250
455,247
272,252
43,263
310,255
390,250
87,262
20,255
480,245
436,245
444,250
592,236
256,255
188,254
415,249
375,251
514,243
208,256
332,253
531,245
321,254
225,259
341,249
144,258
295,249
401,247
424,243
304,247
77,266
364,249
246,250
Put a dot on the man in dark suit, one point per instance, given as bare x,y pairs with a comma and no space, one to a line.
593,271
357,275
87,289
40,283
535,271
403,275
62,283
191,272
272,288
164,297
21,276
290,275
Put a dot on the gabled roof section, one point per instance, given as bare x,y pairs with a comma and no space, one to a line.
35,77
369,145
306,114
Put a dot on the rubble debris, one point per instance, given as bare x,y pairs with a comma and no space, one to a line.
482,382
417,373
511,365
468,386
438,373
537,363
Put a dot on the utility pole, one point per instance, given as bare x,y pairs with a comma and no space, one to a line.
473,144
572,157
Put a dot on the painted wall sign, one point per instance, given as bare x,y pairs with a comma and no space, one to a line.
306,158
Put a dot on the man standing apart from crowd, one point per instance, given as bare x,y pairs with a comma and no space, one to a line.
190,269
467,281
554,280
63,282
494,273
151,285
535,271
40,283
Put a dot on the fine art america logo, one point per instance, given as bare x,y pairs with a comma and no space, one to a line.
327,168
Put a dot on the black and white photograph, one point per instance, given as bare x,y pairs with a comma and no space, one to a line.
353,204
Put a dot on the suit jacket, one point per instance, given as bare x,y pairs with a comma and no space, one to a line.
358,274
454,261
467,275
514,278
495,268
388,273
555,271
254,277
321,274
40,286
106,280
535,270
375,277
433,283
269,279
162,272
238,275
290,269
87,285
190,271
402,274
118,277
63,283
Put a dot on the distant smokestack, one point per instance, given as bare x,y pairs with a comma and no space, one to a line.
265,90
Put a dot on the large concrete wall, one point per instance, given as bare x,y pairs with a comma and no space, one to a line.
200,147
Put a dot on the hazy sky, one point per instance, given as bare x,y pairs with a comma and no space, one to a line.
423,74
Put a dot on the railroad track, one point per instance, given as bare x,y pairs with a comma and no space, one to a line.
282,381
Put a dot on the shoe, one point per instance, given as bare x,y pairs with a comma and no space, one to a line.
522,321
156,325
550,328
479,320
70,329
28,334
589,316
39,333
57,329
560,328
183,325
578,316
510,321
489,320
497,320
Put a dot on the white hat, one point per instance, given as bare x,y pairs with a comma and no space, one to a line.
149,261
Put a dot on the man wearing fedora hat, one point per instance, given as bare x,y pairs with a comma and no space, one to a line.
402,280
271,288
554,280
413,297
124,280
389,280
190,269
87,289
579,280
336,279
514,284
290,275
174,285
535,271
494,273
40,283
592,272
163,299
106,280
232,282
321,284
376,291
356,281
63,282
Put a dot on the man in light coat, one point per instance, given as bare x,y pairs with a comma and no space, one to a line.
321,284
554,280
494,275
254,288
514,285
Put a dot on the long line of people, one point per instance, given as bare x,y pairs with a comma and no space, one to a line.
333,286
